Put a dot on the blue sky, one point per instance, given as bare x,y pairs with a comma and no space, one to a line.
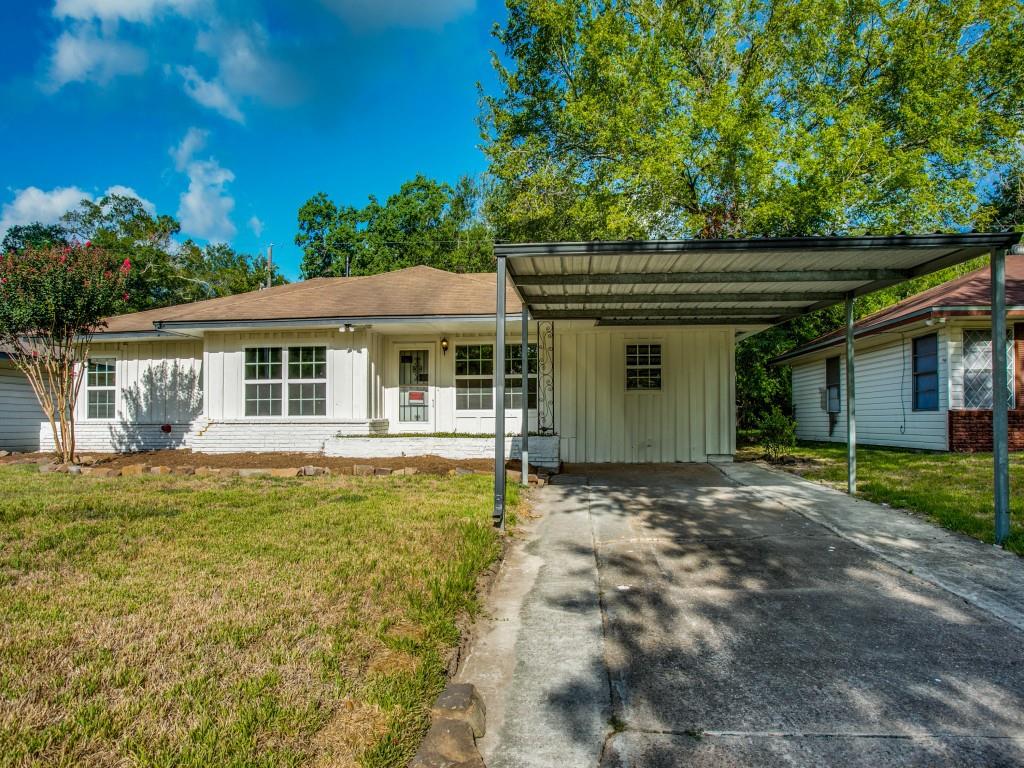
228,114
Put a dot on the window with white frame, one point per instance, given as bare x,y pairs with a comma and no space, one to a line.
643,367
101,388
474,377
299,371
264,380
307,381
514,376
978,368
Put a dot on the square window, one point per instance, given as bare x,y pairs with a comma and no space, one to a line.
643,367
101,404
262,399
307,399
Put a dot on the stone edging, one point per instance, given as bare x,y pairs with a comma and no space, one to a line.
458,719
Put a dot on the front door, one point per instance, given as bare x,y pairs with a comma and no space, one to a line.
415,389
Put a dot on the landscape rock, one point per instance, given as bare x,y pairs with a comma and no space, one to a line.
463,471
132,470
514,475
461,701
312,471
4,454
47,468
448,744
532,478
406,471
72,469
382,471
285,472
362,470
184,470
160,470
207,471
87,460
101,472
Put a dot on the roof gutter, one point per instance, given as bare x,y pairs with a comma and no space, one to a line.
298,322
874,328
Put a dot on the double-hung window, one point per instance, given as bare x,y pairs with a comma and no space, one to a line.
301,372
307,381
643,367
926,373
263,381
514,376
101,388
474,377
978,368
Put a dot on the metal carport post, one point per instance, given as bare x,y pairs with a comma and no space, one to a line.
851,402
498,515
1000,391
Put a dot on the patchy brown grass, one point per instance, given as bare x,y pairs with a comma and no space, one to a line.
205,621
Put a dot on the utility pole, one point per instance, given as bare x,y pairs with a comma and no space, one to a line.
270,265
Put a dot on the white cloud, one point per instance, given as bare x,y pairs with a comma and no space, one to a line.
193,141
210,93
33,204
256,225
83,54
245,65
123,10
401,13
204,209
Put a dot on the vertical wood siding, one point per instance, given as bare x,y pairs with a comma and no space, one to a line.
692,418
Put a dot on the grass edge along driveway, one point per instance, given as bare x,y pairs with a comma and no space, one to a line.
951,489
183,621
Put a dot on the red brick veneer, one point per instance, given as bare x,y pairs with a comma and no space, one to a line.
972,430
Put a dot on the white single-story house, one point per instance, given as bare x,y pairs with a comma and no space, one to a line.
924,370
316,365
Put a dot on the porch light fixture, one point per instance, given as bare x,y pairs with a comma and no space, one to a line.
444,345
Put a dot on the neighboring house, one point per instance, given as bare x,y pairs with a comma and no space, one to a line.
924,370
20,415
324,364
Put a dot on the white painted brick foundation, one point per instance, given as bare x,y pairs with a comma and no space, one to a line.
269,436
543,448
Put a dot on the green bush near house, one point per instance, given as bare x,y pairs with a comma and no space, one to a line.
184,621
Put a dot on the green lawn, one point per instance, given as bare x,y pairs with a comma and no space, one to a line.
953,489
183,621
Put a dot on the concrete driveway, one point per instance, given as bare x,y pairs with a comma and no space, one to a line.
691,615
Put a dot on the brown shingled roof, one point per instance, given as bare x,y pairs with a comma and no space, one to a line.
962,296
411,292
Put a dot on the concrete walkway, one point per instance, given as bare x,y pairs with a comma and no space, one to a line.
690,615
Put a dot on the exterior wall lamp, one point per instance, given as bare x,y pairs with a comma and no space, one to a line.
444,345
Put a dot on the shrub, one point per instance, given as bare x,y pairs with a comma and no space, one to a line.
778,433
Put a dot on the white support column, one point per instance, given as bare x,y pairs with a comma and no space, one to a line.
525,350
1000,390
851,400
498,515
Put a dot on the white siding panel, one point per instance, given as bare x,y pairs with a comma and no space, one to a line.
20,416
885,414
691,419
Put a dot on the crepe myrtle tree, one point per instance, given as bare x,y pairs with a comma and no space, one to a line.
52,300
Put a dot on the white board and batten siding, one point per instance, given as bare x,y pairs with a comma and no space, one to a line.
20,415
156,383
691,419
884,396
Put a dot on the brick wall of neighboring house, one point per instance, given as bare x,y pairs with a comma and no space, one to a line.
972,430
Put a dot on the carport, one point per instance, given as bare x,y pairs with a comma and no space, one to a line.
750,284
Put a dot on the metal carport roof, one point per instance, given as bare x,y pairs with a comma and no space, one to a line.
747,282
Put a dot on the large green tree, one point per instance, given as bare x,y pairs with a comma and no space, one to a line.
425,222
617,118
644,118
